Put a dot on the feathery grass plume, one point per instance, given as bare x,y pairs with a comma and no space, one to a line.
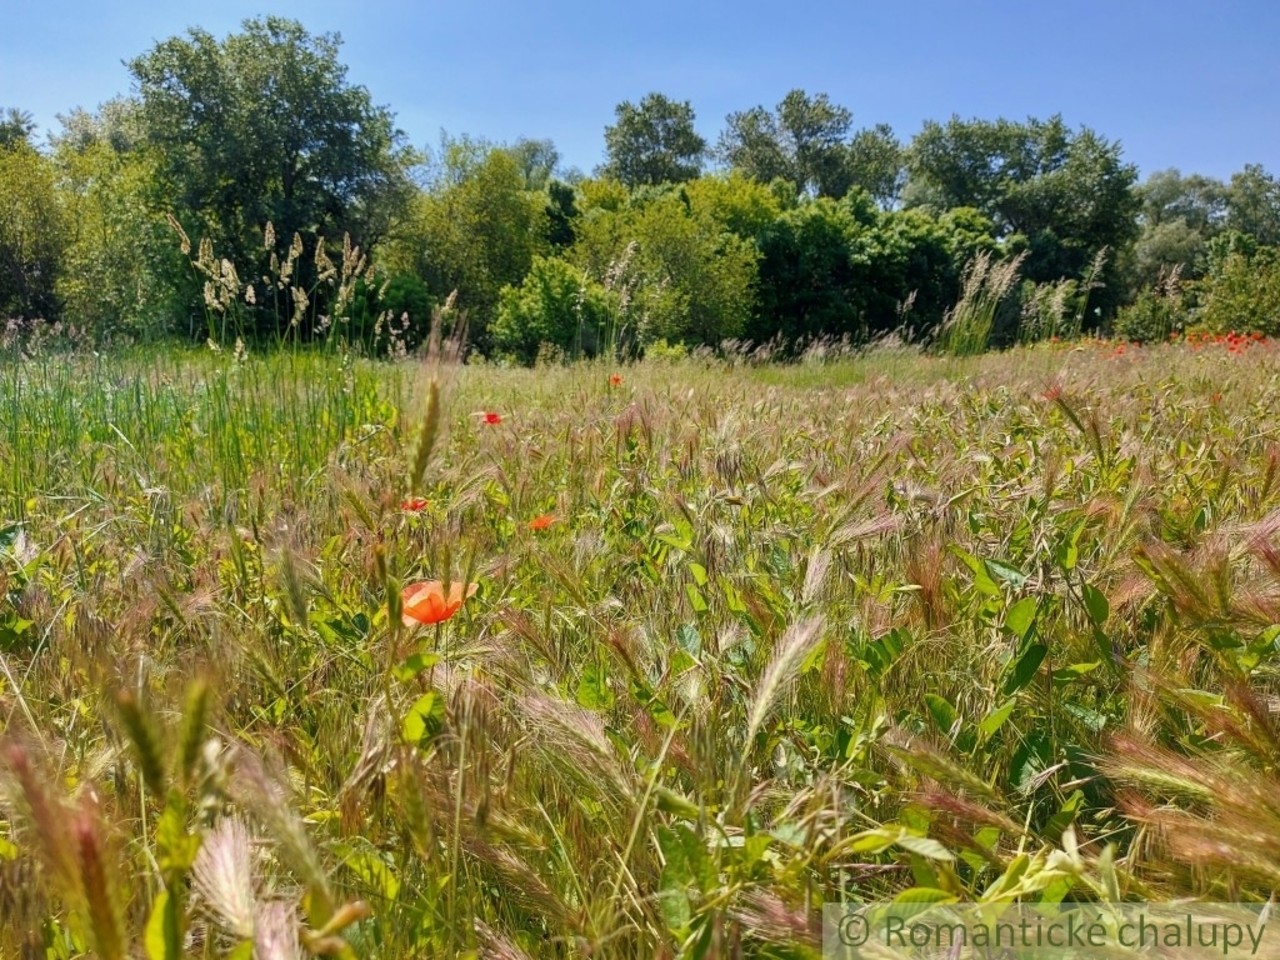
428,433
295,592
222,877
49,816
766,918
966,329
262,794
276,932
789,655
496,946
100,884
184,241
191,737
148,742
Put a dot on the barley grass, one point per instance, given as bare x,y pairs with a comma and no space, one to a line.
840,629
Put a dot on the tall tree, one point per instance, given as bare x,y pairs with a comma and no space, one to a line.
876,163
1064,194
802,140
1178,215
32,233
264,126
1253,204
16,126
653,143
537,160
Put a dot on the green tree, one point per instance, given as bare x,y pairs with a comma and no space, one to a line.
678,272
846,269
1253,204
538,161
1177,216
653,143
1241,290
556,305
122,270
32,233
16,127
475,230
264,127
876,162
802,141
1059,194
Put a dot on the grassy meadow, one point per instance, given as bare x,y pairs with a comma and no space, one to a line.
854,628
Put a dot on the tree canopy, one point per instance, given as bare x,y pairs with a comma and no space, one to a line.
653,142
264,127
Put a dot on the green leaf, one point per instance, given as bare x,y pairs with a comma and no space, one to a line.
1006,572
410,667
163,937
924,895
424,719
1024,669
925,847
695,598
1095,602
982,581
994,720
593,689
943,713
1021,617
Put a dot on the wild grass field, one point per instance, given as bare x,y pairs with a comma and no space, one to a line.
744,640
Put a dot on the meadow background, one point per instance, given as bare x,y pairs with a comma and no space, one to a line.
855,520
747,639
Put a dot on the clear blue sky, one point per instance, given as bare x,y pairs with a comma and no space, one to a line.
1193,85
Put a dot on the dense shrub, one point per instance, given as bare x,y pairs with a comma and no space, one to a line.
1241,292
556,305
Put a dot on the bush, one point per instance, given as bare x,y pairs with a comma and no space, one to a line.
385,315
555,305
1241,292
1157,312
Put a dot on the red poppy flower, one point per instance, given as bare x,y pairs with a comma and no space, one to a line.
491,417
414,504
542,522
425,602
615,380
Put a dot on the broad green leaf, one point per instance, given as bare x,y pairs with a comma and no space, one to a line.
994,720
1095,602
164,932
424,719
1024,668
943,713
1021,617
411,666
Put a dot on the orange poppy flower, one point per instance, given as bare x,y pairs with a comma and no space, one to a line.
542,522
425,602
491,417
414,504
615,380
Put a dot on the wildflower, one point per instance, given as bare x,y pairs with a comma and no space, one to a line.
425,602
615,380
542,522
491,418
414,504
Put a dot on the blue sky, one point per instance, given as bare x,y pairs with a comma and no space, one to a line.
1180,84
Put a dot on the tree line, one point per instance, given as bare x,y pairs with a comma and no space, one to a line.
258,152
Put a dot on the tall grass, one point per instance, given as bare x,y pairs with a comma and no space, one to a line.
966,329
835,631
